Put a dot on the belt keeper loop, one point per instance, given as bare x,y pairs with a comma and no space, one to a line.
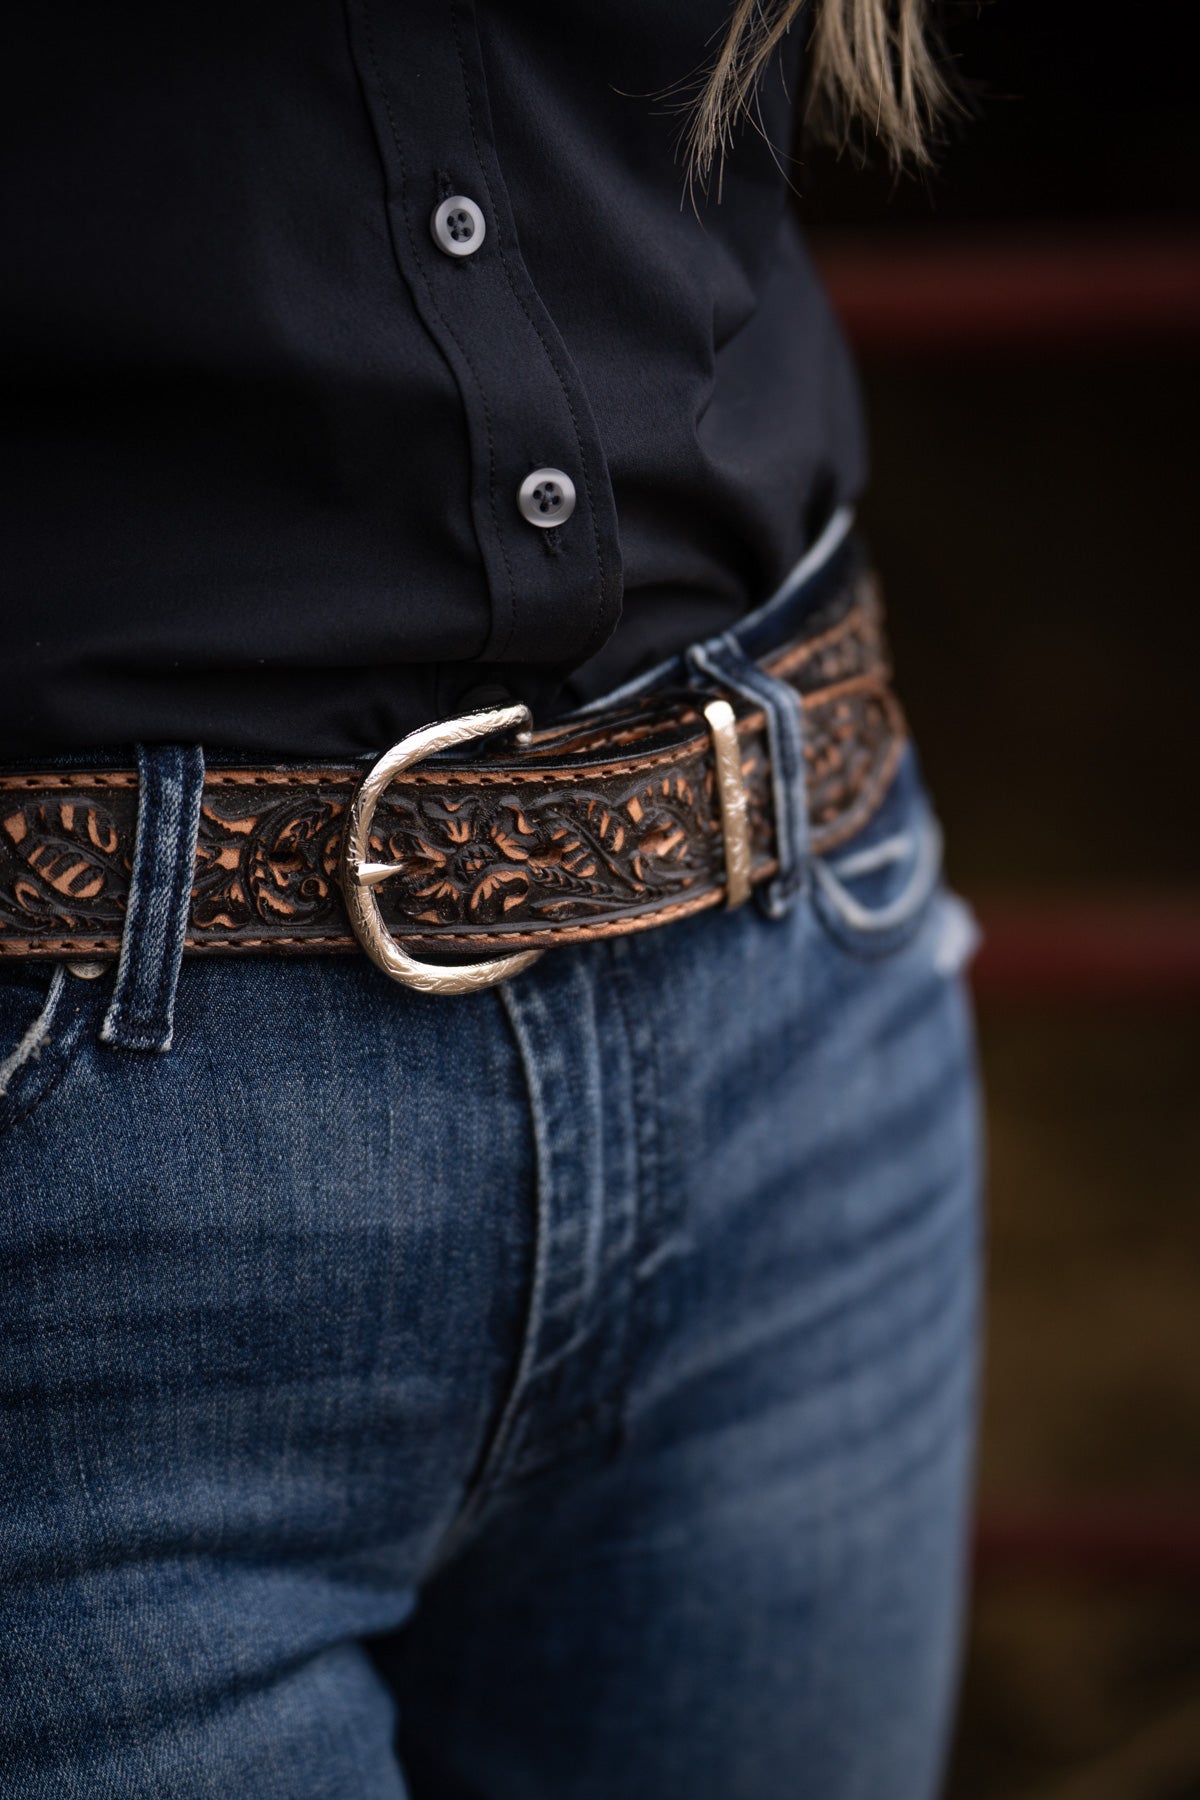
170,785
722,659
731,792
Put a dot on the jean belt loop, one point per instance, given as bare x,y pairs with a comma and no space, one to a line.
170,783
722,659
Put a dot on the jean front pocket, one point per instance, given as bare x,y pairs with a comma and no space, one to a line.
873,893
46,1014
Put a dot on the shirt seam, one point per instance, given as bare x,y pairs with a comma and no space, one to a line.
427,285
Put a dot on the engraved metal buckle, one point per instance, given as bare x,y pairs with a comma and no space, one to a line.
361,876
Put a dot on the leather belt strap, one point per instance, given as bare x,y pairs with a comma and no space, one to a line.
605,822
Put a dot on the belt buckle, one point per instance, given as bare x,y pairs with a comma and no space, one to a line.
361,876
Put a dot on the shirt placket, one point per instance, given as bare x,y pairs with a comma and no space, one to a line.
540,495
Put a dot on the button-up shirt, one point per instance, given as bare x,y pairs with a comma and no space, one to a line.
359,356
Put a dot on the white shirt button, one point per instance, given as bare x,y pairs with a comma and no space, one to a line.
547,497
458,226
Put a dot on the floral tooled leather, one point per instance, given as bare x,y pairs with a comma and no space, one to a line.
608,822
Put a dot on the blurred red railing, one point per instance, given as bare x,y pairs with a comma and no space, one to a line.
1104,951
948,294
1138,1539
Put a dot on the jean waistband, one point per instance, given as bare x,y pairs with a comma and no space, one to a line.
821,570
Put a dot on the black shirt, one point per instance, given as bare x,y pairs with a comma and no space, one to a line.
267,424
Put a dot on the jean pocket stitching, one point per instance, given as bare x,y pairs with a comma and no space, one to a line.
877,931
46,1051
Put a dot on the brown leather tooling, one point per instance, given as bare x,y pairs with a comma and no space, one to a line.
606,822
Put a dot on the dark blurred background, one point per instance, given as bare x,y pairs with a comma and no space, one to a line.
1028,325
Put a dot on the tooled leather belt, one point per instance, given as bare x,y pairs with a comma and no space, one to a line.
606,822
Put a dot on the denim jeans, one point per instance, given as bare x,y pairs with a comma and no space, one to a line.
561,1391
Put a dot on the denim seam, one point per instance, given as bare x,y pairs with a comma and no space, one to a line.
45,1093
550,1447
894,915
646,1099
67,1048
33,1041
495,1458
937,1378
866,947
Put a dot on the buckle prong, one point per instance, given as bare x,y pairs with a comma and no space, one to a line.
361,875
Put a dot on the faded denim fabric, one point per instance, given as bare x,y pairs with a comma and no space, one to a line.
170,788
563,1391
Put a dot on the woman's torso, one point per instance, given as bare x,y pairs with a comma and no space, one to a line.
266,437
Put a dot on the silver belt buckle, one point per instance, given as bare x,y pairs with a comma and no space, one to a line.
361,876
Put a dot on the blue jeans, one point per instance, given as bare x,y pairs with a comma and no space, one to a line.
564,1391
